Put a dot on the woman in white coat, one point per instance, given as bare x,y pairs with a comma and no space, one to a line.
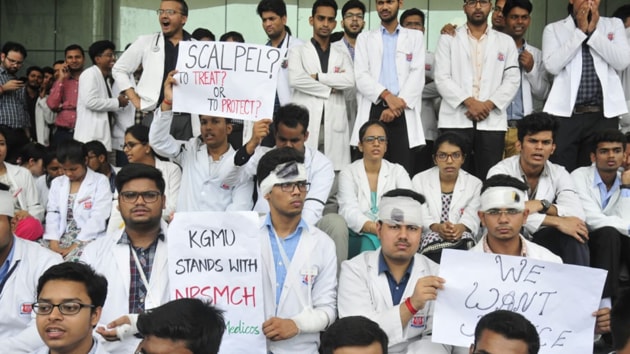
362,184
79,203
452,196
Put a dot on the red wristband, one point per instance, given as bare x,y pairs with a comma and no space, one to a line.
410,306
168,103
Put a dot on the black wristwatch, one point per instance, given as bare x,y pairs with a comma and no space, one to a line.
625,186
545,206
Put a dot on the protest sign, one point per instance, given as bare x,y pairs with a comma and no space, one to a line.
226,79
216,257
558,299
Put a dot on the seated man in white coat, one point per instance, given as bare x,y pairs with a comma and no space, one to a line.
299,263
205,160
395,286
604,189
134,260
21,264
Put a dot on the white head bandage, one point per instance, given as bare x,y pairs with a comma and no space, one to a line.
6,203
400,211
503,197
287,172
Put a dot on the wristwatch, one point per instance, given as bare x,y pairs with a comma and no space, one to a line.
545,206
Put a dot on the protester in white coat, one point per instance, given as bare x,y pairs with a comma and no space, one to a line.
21,264
97,104
299,263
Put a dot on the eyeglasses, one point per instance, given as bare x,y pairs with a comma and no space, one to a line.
497,9
289,187
471,3
66,308
108,55
499,212
169,12
442,156
350,16
132,197
14,62
372,139
130,145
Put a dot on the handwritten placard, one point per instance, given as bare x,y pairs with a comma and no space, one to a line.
226,79
558,299
216,257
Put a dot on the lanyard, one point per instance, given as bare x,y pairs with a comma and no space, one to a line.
143,277
6,278
291,276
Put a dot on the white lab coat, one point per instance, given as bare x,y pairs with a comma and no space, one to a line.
555,185
535,84
465,202
93,104
43,117
454,76
111,259
199,190
28,197
91,208
125,118
354,195
562,56
18,331
318,98
365,292
351,93
315,252
534,251
430,95
368,58
617,210
97,350
625,82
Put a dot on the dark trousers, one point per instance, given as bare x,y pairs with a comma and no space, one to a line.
61,134
487,149
422,158
573,139
398,141
181,126
566,247
608,250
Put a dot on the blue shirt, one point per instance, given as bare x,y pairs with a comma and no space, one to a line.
389,75
4,269
396,289
604,193
516,109
289,244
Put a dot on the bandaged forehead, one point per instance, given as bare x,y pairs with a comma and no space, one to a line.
400,211
286,172
503,198
6,203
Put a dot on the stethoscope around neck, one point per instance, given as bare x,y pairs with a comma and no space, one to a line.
156,46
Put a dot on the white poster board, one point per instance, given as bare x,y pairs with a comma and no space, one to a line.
558,299
226,79
216,256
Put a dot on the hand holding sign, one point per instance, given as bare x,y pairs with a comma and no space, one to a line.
170,81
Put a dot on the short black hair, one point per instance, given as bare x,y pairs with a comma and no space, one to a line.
274,157
13,47
401,192
73,47
138,170
57,62
608,136
48,70
291,115
276,6
203,32
620,321
99,47
510,325
199,324
140,132
95,283
353,331
536,123
502,180
34,68
622,12
452,138
352,4
235,36
412,12
51,154
72,151
523,4
183,4
324,3
32,150
97,148
367,125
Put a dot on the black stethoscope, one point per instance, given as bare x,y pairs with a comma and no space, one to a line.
156,47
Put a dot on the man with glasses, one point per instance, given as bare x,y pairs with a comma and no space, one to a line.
555,216
157,53
98,102
299,262
474,104
498,17
21,264
70,299
134,260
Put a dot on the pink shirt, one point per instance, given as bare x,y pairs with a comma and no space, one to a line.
477,51
63,99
